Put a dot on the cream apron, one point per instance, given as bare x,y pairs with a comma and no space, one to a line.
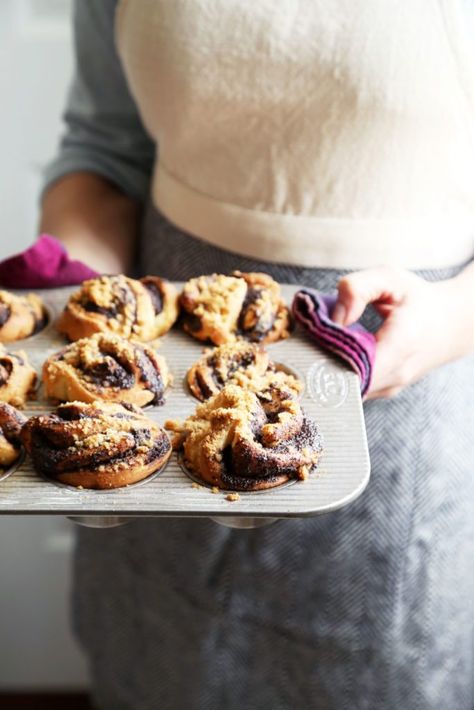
330,134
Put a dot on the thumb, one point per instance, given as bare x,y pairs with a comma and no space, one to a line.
383,286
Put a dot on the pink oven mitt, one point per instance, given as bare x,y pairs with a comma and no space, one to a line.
46,264
353,344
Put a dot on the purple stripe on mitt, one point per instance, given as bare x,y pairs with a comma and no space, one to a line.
353,344
44,265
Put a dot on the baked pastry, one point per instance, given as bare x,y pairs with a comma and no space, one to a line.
243,305
96,445
20,316
11,423
140,310
106,366
17,377
245,364
239,441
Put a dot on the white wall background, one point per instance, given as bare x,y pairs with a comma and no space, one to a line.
36,646
36,63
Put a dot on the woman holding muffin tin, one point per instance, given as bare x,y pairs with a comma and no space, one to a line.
328,147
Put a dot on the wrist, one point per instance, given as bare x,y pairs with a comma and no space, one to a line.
92,251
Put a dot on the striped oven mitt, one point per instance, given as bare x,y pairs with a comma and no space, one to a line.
353,344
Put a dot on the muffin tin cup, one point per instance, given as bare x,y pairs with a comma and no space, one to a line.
226,491
95,491
7,472
331,396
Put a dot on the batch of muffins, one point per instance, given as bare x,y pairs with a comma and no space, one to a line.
248,431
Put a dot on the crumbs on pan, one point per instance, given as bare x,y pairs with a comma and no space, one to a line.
232,497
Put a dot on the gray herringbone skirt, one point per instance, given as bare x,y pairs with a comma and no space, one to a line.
368,608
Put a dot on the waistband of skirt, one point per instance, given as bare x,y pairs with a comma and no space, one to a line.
312,241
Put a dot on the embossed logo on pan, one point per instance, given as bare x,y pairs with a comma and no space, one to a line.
327,384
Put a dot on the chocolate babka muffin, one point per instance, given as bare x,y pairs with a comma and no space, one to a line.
241,363
96,445
240,441
17,377
139,310
108,367
223,308
20,316
11,422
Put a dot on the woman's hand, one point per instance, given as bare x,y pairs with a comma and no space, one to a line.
425,324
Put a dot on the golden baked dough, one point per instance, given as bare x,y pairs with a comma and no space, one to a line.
17,377
11,422
243,305
239,441
108,367
20,316
139,310
96,445
240,363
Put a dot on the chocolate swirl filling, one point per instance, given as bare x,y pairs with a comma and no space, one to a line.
192,322
116,370
5,313
249,461
151,376
40,322
122,301
11,422
256,318
6,368
110,373
239,362
156,295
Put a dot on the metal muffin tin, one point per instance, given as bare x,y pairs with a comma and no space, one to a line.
331,396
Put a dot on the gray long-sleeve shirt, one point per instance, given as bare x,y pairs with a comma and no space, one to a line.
104,133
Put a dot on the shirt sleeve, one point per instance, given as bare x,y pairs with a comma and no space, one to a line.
104,133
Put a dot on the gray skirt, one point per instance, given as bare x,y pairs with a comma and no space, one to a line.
368,607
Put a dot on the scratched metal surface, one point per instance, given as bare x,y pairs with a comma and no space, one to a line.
331,396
